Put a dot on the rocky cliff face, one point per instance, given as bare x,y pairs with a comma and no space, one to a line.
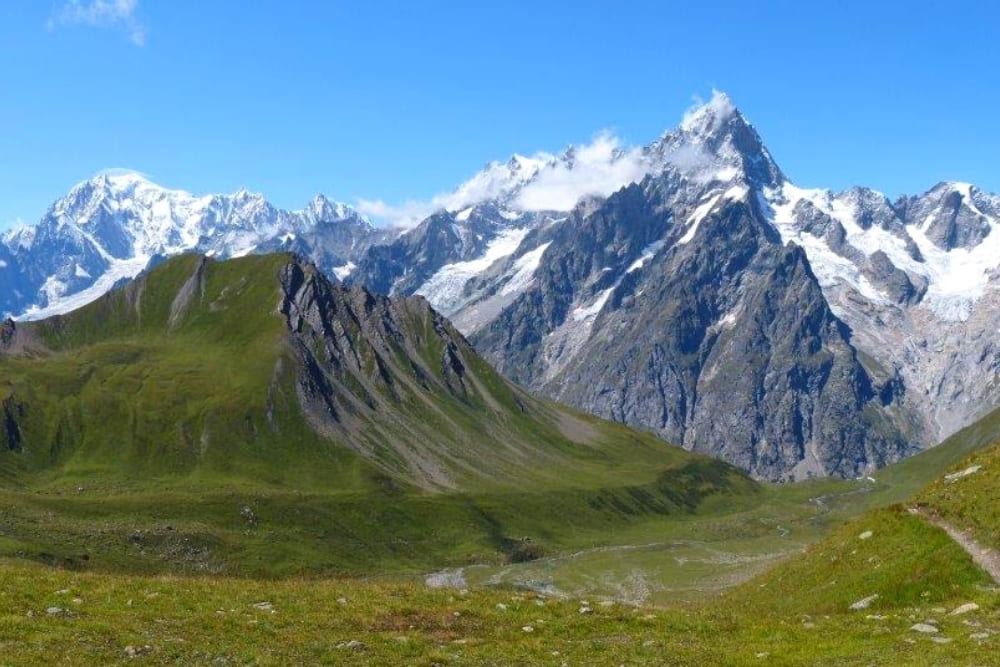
917,282
721,340
886,346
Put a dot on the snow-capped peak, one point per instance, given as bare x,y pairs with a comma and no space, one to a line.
109,227
713,142
711,115
320,209
122,178
523,164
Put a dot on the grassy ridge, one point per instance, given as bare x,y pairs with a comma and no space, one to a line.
177,444
160,429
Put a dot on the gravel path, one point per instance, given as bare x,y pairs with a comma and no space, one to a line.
984,557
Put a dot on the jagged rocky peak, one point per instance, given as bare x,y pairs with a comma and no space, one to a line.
716,142
713,118
870,207
953,215
320,209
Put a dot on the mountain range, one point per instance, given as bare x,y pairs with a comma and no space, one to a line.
687,287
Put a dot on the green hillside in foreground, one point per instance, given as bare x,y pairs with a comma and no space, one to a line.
249,417
105,472
687,558
61,616
888,588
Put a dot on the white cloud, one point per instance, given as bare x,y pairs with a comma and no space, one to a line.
541,182
596,169
407,214
120,14
703,113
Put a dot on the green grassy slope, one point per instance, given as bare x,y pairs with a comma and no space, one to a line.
103,619
156,433
162,428
877,576
967,496
691,557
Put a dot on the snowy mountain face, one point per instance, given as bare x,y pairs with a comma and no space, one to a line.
608,297
471,261
109,228
917,280
488,217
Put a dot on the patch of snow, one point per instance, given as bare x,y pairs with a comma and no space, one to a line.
343,271
736,192
524,270
53,289
119,269
696,217
726,174
23,238
444,289
702,210
583,313
647,254
81,272
728,320
510,215
464,214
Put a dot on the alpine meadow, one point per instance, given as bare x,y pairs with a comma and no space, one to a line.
658,402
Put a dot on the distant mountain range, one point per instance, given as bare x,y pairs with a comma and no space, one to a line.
114,225
687,287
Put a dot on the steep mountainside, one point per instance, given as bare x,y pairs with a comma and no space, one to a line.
917,280
724,343
666,304
351,423
113,226
208,365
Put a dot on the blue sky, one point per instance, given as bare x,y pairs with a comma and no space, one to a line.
404,100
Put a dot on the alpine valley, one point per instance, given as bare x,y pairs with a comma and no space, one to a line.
652,405
687,287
